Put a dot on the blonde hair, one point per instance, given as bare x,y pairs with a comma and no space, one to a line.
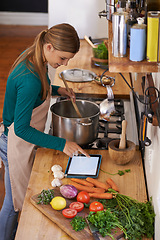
63,37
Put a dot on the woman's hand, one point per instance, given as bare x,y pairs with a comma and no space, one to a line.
71,148
63,92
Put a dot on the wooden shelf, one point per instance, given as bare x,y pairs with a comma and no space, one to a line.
125,65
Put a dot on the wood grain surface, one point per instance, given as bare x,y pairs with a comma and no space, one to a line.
35,225
82,60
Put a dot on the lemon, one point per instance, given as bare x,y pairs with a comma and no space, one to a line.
58,203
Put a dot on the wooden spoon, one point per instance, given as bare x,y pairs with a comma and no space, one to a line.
74,104
122,143
89,41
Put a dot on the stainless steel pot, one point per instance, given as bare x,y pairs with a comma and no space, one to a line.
66,124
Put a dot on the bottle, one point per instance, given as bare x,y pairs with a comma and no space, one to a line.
138,41
119,26
133,15
153,36
128,5
121,6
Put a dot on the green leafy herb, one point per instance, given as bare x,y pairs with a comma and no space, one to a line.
46,196
105,221
120,172
136,217
78,223
101,51
86,205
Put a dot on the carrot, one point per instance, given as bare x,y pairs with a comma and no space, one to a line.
112,184
105,195
88,189
83,182
98,183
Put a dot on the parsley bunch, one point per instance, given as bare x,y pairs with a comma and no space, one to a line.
105,221
136,217
78,223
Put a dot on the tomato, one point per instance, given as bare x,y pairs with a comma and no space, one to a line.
83,197
96,206
58,203
77,206
69,212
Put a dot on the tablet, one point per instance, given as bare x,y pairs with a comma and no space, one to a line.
82,167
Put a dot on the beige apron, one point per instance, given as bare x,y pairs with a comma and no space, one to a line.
21,155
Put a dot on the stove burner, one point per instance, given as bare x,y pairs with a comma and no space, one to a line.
103,143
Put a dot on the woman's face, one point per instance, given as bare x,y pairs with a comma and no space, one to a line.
56,58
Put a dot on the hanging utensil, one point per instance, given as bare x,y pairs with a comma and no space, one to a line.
107,106
74,104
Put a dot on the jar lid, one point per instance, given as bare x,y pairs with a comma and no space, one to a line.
140,24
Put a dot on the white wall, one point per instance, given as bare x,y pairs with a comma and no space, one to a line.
82,14
152,165
24,18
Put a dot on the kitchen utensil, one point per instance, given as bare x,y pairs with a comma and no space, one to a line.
89,41
74,103
145,141
78,75
122,143
92,229
107,106
105,80
66,124
121,156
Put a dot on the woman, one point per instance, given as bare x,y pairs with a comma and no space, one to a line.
25,111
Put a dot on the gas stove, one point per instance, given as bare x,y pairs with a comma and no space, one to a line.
110,130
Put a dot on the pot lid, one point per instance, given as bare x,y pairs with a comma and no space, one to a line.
78,75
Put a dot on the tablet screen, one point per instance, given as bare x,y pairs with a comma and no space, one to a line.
82,166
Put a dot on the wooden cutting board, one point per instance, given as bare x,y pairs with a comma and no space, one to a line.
64,223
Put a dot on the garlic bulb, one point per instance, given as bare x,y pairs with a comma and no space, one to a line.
56,182
56,168
58,174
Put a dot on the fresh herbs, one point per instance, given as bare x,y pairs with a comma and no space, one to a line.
136,217
86,205
46,196
78,223
120,172
101,51
105,221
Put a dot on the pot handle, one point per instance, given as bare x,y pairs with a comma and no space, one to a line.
85,124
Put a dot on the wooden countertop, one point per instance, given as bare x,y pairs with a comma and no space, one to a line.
82,60
34,225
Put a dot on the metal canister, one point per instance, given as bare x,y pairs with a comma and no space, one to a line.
119,26
138,41
153,39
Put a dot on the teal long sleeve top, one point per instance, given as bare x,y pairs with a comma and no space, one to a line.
23,94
